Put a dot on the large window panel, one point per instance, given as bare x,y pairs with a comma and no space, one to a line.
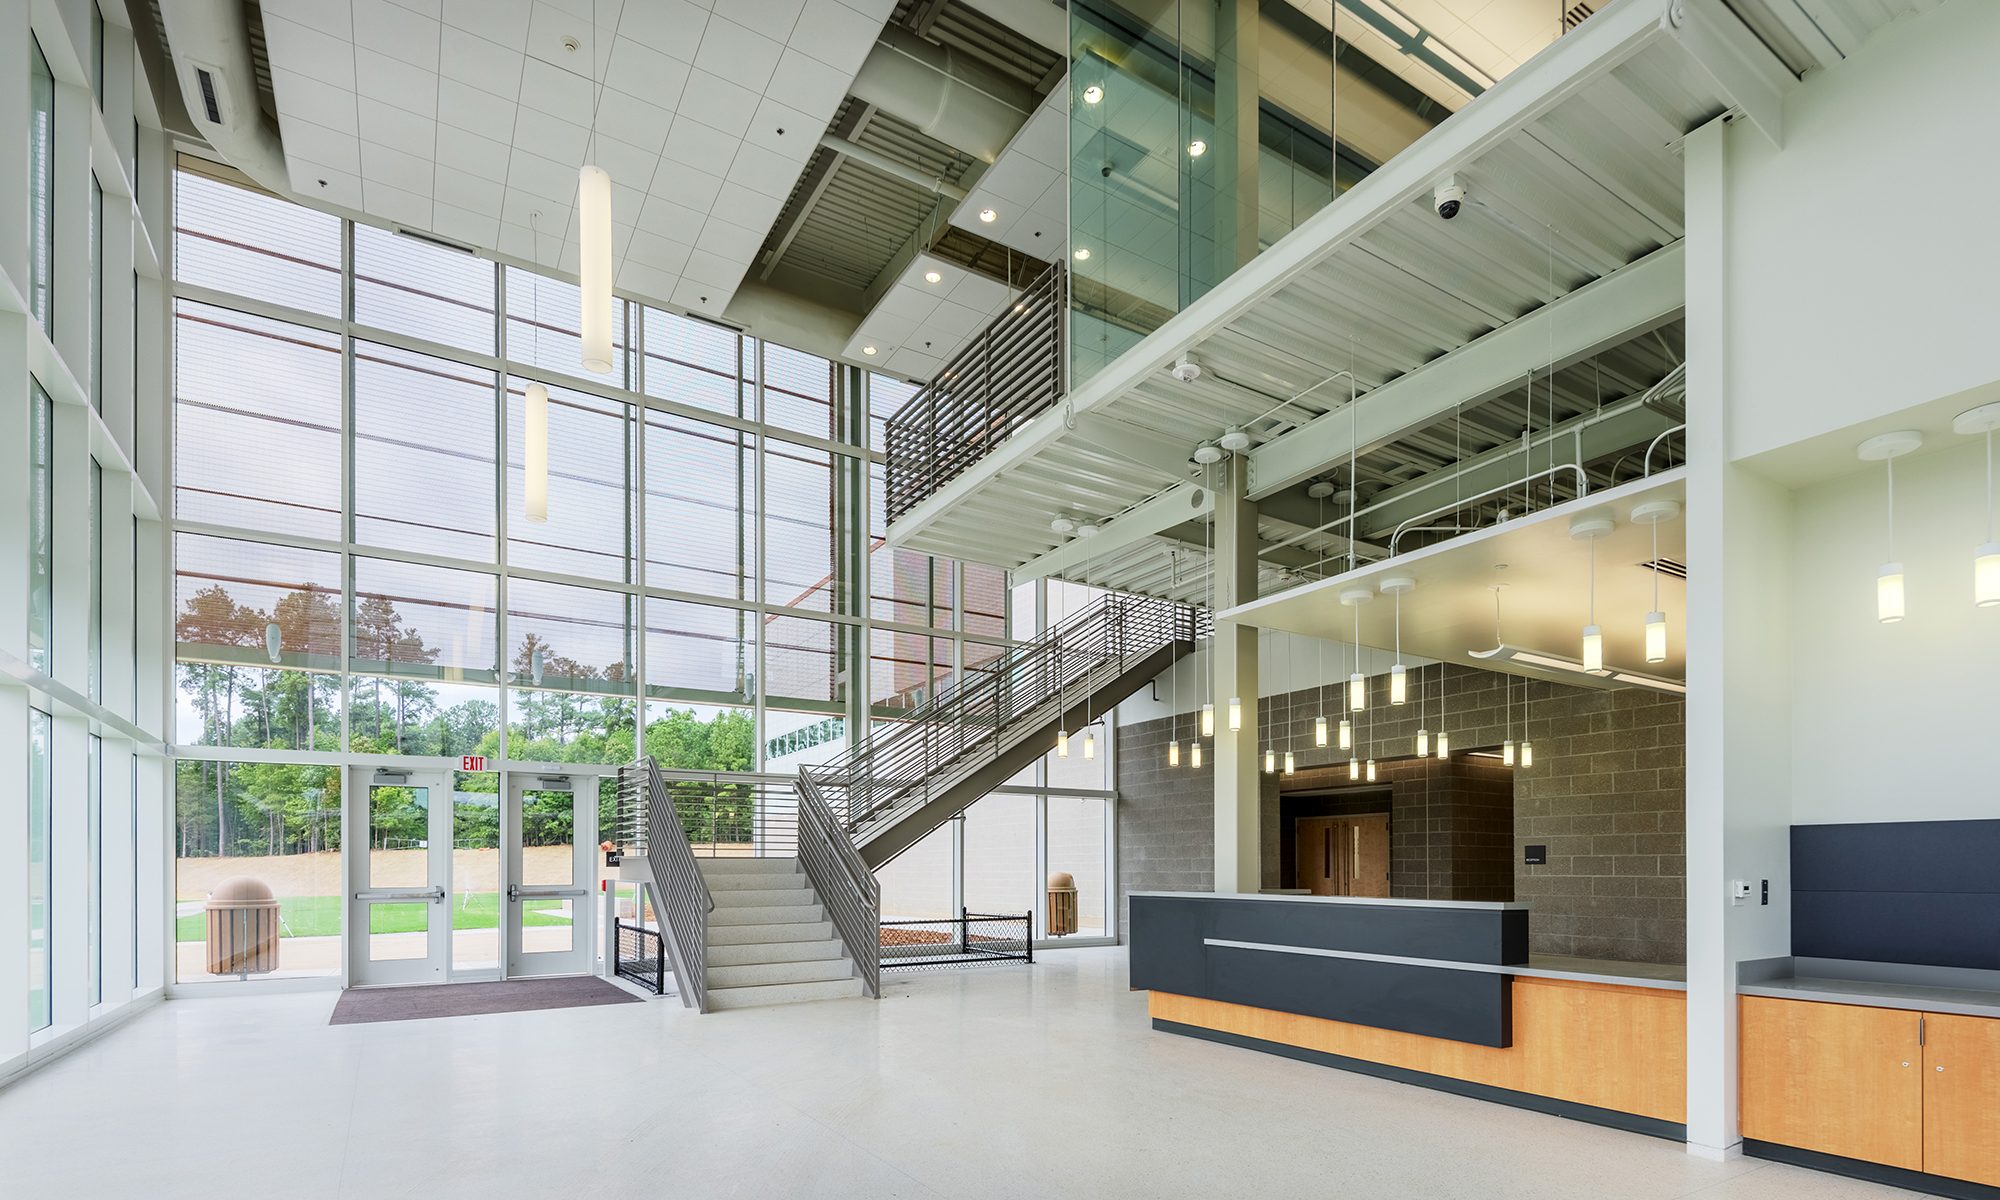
886,397
409,286
804,662
703,653
983,600
1000,855
246,242
905,670
277,823
41,186
916,884
589,527
545,323
398,715
1076,826
569,638
701,508
798,391
424,622
696,363
798,527
701,737
40,977
41,526
423,454
256,423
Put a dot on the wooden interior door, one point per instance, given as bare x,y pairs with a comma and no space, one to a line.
1962,1097
1368,849
1318,861
1836,1078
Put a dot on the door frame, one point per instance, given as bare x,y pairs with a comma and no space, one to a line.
582,955
358,895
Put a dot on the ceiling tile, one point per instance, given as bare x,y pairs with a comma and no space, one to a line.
701,297
778,17
316,143
662,254
747,55
662,217
729,241
395,82
642,71
673,27
801,132
474,155
913,364
433,9
521,208
1018,179
877,11
697,145
542,134
763,171
1045,138
396,205
541,176
557,92
979,292
313,100
487,66
835,34
397,32
405,172
633,121
503,21
467,191
716,102
397,129
334,19
462,106
647,283
630,168
310,52
687,186
320,182
740,205
551,30
809,85
460,225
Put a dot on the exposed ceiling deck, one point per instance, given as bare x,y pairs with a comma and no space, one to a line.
1574,172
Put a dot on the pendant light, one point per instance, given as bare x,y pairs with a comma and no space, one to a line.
1270,761
1319,491
1208,720
1194,755
1353,769
1290,765
1357,683
1371,770
535,410
1173,672
1986,558
593,220
1444,735
1886,449
1235,713
1090,743
1506,682
1174,749
1399,680
1590,527
1423,719
1264,731
1652,512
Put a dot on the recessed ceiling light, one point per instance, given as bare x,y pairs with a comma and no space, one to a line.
1093,94
1197,148
988,215
868,350
932,277
1082,252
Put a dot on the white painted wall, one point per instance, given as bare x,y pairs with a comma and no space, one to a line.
1894,722
1861,255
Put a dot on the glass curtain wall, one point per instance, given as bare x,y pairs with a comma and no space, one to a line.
1201,133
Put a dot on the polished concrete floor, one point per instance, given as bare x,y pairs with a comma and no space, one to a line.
1001,1082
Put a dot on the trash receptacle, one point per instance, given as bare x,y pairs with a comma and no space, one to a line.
1062,904
242,928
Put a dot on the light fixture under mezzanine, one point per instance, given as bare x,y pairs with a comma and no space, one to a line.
1357,683
1589,527
1986,557
1886,449
1651,514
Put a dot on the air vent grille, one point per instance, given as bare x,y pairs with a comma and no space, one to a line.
1666,566
434,240
1574,14
208,99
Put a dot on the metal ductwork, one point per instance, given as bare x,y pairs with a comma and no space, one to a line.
891,166
1037,20
211,48
942,93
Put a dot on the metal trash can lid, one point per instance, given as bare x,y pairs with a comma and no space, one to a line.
1062,880
241,891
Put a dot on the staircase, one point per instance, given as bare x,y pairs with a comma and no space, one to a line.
769,940
906,779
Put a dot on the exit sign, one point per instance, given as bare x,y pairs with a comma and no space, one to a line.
472,762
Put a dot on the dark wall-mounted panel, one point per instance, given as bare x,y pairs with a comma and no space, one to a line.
1921,892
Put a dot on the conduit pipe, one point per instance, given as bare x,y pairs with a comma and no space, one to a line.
211,48
943,94
891,166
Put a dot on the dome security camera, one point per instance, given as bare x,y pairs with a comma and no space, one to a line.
1448,197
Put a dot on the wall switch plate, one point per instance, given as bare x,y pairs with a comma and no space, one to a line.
1535,856
1739,890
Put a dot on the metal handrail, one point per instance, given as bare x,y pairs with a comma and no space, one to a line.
846,887
650,828
1010,373
1582,490
1647,462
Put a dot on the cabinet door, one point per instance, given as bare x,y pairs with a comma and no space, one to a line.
1836,1078
1962,1097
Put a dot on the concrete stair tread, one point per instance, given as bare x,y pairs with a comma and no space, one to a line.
748,935
783,993
754,881
761,914
748,866
758,953
763,898
814,970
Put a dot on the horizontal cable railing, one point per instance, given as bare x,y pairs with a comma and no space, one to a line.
649,828
1006,376
900,767
846,887
735,816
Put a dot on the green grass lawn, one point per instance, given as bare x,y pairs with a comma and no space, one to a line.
319,916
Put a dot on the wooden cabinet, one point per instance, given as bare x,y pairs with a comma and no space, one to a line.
1836,1078
1920,1091
1962,1097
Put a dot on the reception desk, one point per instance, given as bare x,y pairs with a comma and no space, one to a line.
1437,993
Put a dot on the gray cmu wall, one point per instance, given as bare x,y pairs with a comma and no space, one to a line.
1606,796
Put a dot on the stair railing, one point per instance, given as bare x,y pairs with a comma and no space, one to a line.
649,827
846,887
977,717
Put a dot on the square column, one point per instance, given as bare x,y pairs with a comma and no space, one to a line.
1239,863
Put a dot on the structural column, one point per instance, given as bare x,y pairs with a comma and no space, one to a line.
1235,153
1239,845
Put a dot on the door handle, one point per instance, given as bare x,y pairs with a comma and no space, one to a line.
432,894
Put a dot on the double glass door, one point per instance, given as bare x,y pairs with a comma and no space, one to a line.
451,881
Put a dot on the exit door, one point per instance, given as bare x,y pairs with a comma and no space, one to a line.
552,824
398,921
1344,856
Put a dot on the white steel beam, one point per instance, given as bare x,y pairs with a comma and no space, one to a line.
1598,46
1175,506
1739,62
1636,297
